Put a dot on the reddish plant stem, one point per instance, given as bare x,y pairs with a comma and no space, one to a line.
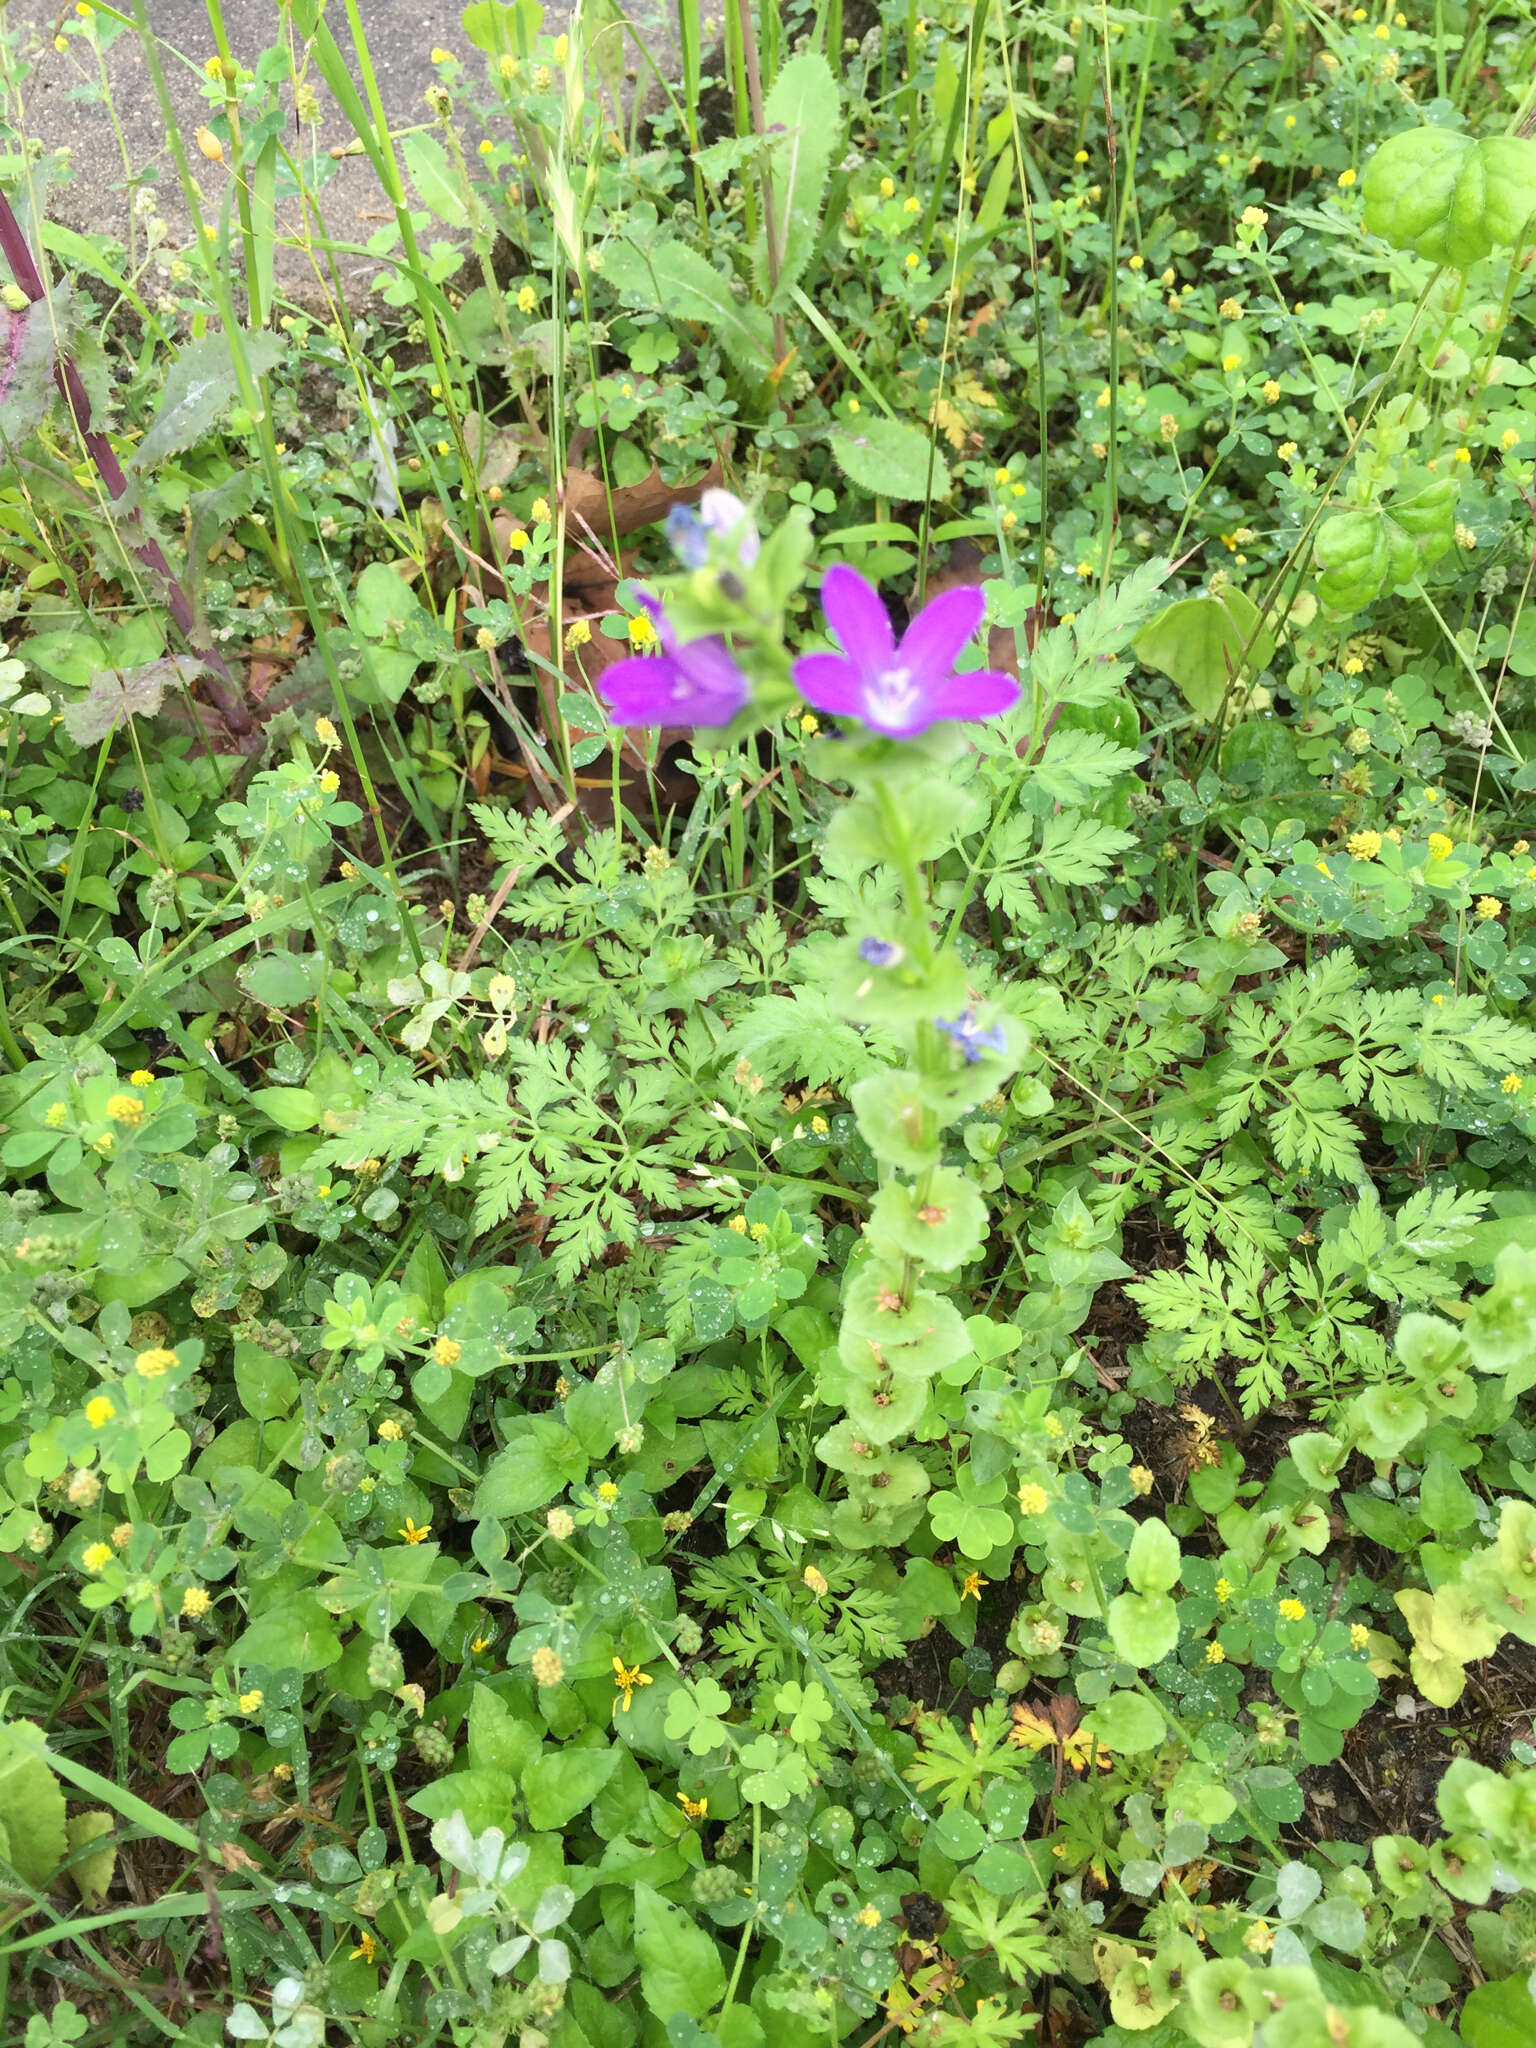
223,689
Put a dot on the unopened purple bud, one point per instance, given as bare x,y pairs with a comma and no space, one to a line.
880,952
725,516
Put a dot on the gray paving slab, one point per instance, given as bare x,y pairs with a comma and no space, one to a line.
61,106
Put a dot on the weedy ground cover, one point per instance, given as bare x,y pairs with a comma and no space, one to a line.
768,1238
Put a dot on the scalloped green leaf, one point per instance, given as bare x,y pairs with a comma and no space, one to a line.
890,461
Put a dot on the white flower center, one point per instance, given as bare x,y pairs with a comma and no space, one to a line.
892,697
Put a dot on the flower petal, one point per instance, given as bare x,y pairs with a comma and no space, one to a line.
639,690
831,684
980,693
859,619
939,632
716,687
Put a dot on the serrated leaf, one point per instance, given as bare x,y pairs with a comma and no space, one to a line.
432,174
118,694
890,460
200,385
28,341
805,104
31,1805
680,1967
673,279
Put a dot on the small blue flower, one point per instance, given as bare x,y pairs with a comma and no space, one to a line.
880,952
970,1038
689,536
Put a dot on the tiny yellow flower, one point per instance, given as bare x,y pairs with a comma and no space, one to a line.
326,733
1168,277
1255,217
810,724
527,299
411,1534
1053,1426
912,205
625,1681
1033,1499
758,1232
444,448
1463,455
1323,869
608,1493
154,1363
868,1916
507,66
100,1411
59,43
1364,845
1509,438
56,1115
913,259
1142,1479
538,512
1292,1610
854,406
695,1809
367,1948
546,1667
562,48
210,145
517,538
1286,451
1230,309
1489,907
250,1702
1440,846
96,1556
1346,179
641,632
446,1352
971,1588
1080,156
390,1431
1138,262
1224,1590
739,1225
1520,846
887,188
820,1126
122,1535
1290,120
1271,390
141,1077
814,1581
1104,398
1359,1635
1215,1654
1381,32
442,56
1354,666
577,634
330,782
1231,362
487,147
103,1144
1511,1084
348,871
195,1602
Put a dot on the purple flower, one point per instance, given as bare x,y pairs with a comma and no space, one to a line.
694,682
720,516
880,952
970,1038
899,691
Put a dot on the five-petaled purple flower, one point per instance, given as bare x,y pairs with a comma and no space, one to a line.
970,1038
899,691
692,682
880,952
